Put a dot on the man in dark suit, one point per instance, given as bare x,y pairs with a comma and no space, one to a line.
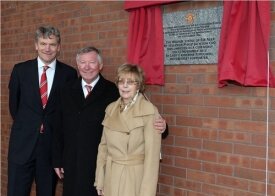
32,100
78,127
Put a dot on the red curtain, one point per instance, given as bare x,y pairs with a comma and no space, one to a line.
145,43
145,38
244,44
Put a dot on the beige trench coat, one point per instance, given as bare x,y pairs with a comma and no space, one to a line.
128,154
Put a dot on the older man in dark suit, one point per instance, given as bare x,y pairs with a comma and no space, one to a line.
78,127
33,93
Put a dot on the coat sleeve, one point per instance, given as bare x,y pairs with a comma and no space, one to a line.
152,157
165,133
101,162
58,128
58,135
14,92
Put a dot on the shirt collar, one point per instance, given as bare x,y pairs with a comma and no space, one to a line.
52,65
83,83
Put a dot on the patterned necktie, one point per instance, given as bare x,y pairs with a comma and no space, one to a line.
89,90
44,87
43,91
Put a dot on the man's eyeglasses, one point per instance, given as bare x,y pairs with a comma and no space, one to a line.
128,82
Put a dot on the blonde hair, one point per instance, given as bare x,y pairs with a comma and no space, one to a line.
136,71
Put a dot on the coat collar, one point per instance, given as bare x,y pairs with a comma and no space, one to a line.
137,109
78,95
129,119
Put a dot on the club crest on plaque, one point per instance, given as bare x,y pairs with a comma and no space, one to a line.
190,17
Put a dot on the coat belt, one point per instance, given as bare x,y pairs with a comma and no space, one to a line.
126,160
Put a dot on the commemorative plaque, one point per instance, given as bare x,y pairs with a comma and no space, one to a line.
192,37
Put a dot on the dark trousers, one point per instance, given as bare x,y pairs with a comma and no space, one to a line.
38,169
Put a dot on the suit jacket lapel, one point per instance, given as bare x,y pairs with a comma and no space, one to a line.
77,93
97,90
35,83
56,81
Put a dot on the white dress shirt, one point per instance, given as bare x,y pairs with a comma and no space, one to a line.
50,73
83,83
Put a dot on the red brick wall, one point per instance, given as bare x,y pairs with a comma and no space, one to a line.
217,141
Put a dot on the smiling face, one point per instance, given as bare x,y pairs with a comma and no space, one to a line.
127,86
89,66
47,48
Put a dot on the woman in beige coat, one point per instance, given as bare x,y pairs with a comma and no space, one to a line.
128,154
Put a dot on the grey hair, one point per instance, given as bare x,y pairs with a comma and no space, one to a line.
87,50
47,32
